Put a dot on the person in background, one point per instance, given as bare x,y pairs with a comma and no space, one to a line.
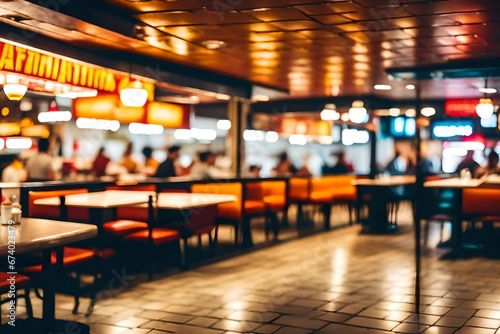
254,171
397,166
127,161
202,168
39,167
285,166
490,168
168,167
13,173
468,163
342,166
150,162
100,163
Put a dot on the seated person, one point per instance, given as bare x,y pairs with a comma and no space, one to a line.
490,168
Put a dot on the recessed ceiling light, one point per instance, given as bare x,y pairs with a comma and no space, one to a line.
428,111
394,112
411,113
260,97
410,87
213,44
382,87
194,98
488,90
224,97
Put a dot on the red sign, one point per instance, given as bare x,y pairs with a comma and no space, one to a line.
461,108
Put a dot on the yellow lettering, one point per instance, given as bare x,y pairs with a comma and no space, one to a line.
83,79
90,76
76,74
55,69
36,63
28,67
62,72
20,58
69,71
110,83
46,65
7,58
102,80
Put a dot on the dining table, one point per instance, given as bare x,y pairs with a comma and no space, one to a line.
456,185
378,193
46,236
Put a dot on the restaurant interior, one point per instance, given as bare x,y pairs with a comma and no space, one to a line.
265,166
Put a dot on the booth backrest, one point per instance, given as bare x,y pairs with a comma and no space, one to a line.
481,202
145,187
53,212
254,191
298,189
233,210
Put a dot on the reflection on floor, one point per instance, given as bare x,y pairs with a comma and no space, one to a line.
332,282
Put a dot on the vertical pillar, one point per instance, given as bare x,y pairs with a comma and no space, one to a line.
417,201
235,146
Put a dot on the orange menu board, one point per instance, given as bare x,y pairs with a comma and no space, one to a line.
20,60
108,107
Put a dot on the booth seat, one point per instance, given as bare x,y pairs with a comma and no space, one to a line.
227,213
274,195
22,282
298,189
49,212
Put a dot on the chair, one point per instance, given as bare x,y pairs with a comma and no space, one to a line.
227,213
482,204
153,235
129,219
21,283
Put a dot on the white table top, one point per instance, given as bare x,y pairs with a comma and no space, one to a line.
35,234
101,199
387,181
492,180
454,182
191,200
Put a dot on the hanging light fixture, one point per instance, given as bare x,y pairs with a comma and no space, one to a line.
485,107
329,113
134,95
15,91
357,113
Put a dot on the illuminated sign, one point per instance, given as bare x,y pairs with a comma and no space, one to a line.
461,108
450,129
108,107
354,136
32,63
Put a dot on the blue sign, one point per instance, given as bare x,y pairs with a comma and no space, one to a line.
452,128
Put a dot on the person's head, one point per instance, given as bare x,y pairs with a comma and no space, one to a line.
174,152
283,157
341,155
101,151
43,145
204,156
493,159
255,170
469,155
148,152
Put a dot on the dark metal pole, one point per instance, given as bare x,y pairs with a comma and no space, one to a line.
239,136
373,154
416,203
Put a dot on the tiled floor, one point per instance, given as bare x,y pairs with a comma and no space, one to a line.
336,282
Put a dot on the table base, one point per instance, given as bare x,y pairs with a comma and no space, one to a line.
36,326
380,229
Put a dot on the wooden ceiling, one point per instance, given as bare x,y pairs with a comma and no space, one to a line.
309,47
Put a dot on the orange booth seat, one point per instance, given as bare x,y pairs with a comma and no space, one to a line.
54,212
254,199
298,189
274,195
481,203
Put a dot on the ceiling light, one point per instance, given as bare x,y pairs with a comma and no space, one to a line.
382,87
329,113
262,98
488,90
272,137
428,111
213,44
97,124
485,108
134,95
74,95
145,129
344,117
26,105
194,98
357,113
411,113
297,140
18,143
394,112
223,124
54,116
410,87
224,97
14,91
